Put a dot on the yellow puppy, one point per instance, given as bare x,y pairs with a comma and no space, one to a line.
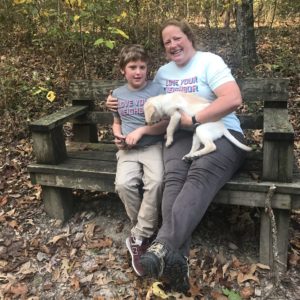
171,105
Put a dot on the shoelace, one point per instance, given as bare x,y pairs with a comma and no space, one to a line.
158,249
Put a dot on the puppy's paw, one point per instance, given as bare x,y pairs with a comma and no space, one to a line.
169,142
187,158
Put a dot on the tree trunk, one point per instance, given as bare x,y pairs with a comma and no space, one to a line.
245,35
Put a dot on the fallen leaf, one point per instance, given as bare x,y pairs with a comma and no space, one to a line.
156,289
56,275
253,269
75,284
3,263
294,259
103,243
88,278
30,221
11,212
213,271
224,268
101,280
262,266
89,230
235,263
13,224
3,200
65,266
57,238
98,297
245,277
216,295
193,253
233,274
26,268
195,289
19,289
247,292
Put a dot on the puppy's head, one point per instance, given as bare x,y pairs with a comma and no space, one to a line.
152,114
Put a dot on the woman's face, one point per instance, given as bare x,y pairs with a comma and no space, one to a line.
177,45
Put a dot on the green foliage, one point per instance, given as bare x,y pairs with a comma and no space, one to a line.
231,295
108,43
74,33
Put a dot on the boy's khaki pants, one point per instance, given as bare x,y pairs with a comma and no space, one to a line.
139,184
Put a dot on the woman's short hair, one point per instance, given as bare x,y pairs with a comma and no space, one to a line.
183,25
132,52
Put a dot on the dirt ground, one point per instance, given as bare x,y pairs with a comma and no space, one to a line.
86,257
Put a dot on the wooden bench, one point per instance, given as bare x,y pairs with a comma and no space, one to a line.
89,164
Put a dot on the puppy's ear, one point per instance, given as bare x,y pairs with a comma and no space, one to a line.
149,110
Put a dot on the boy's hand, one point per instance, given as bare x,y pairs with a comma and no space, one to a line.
133,137
111,102
120,141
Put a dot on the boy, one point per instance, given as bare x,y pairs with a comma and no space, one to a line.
139,177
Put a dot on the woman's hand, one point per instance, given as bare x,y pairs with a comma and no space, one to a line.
111,102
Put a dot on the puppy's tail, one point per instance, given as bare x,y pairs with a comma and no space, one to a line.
233,140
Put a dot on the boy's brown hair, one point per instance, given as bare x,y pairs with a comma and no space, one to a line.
132,53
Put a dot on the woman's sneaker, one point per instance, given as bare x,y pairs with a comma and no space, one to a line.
171,265
176,272
136,249
153,260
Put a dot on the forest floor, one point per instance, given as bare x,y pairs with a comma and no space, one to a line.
86,257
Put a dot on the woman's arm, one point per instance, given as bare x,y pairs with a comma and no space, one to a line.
111,103
228,100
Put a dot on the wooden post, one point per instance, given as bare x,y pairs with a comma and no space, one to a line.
49,148
278,161
277,166
58,202
282,218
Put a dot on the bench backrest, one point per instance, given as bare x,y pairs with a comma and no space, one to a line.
265,107
256,93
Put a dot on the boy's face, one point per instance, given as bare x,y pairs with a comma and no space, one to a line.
135,73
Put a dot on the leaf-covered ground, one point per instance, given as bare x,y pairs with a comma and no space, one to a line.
86,258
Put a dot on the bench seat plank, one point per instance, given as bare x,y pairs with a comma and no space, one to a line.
100,176
82,173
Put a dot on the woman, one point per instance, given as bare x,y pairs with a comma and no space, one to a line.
191,187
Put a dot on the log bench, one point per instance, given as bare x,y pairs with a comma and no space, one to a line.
88,162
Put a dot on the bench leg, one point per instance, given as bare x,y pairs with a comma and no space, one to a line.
58,202
282,218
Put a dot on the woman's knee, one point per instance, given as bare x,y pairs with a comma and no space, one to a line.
176,169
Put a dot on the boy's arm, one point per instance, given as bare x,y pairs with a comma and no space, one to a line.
117,131
156,129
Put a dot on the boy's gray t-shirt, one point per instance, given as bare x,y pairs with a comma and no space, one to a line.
131,109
